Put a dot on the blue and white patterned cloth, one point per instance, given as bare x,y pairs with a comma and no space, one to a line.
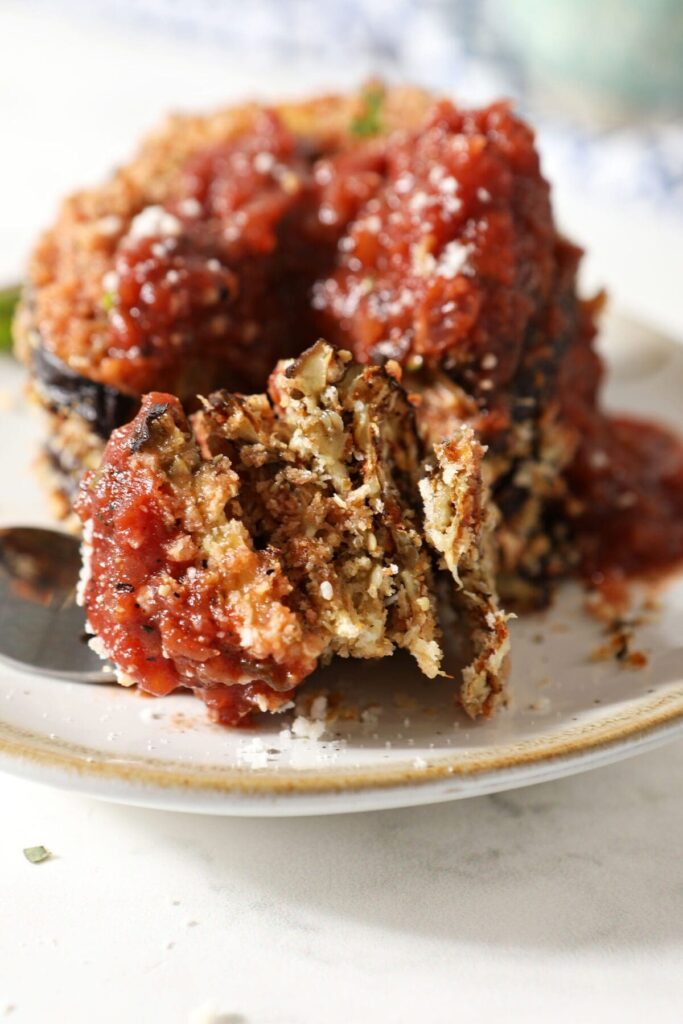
477,51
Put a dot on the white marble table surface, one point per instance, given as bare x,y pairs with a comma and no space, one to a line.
563,902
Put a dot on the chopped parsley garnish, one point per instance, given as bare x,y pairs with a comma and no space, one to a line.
8,301
36,854
108,301
368,122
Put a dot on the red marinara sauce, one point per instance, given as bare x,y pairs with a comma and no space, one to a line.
225,292
435,246
436,243
626,478
453,255
161,617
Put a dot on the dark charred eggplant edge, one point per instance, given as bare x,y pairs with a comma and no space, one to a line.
103,407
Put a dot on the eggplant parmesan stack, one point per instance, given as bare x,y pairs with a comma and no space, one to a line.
392,224
235,552
406,231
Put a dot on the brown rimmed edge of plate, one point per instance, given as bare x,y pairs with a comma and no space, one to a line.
639,719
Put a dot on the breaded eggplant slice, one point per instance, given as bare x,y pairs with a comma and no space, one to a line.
331,485
459,523
174,588
235,561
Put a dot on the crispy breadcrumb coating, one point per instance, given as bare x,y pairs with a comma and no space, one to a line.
459,523
394,223
234,553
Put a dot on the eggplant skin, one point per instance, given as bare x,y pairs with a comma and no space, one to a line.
104,408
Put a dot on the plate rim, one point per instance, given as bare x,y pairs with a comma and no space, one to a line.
649,720
595,736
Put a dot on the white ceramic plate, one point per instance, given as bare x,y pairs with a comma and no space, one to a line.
568,712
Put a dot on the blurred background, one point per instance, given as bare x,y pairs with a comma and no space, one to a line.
602,81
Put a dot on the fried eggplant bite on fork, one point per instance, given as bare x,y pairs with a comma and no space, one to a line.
235,551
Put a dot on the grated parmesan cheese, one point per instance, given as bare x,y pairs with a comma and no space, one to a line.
452,260
264,162
190,207
307,729
153,221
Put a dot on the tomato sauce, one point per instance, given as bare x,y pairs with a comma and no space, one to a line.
434,247
455,253
161,619
628,478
